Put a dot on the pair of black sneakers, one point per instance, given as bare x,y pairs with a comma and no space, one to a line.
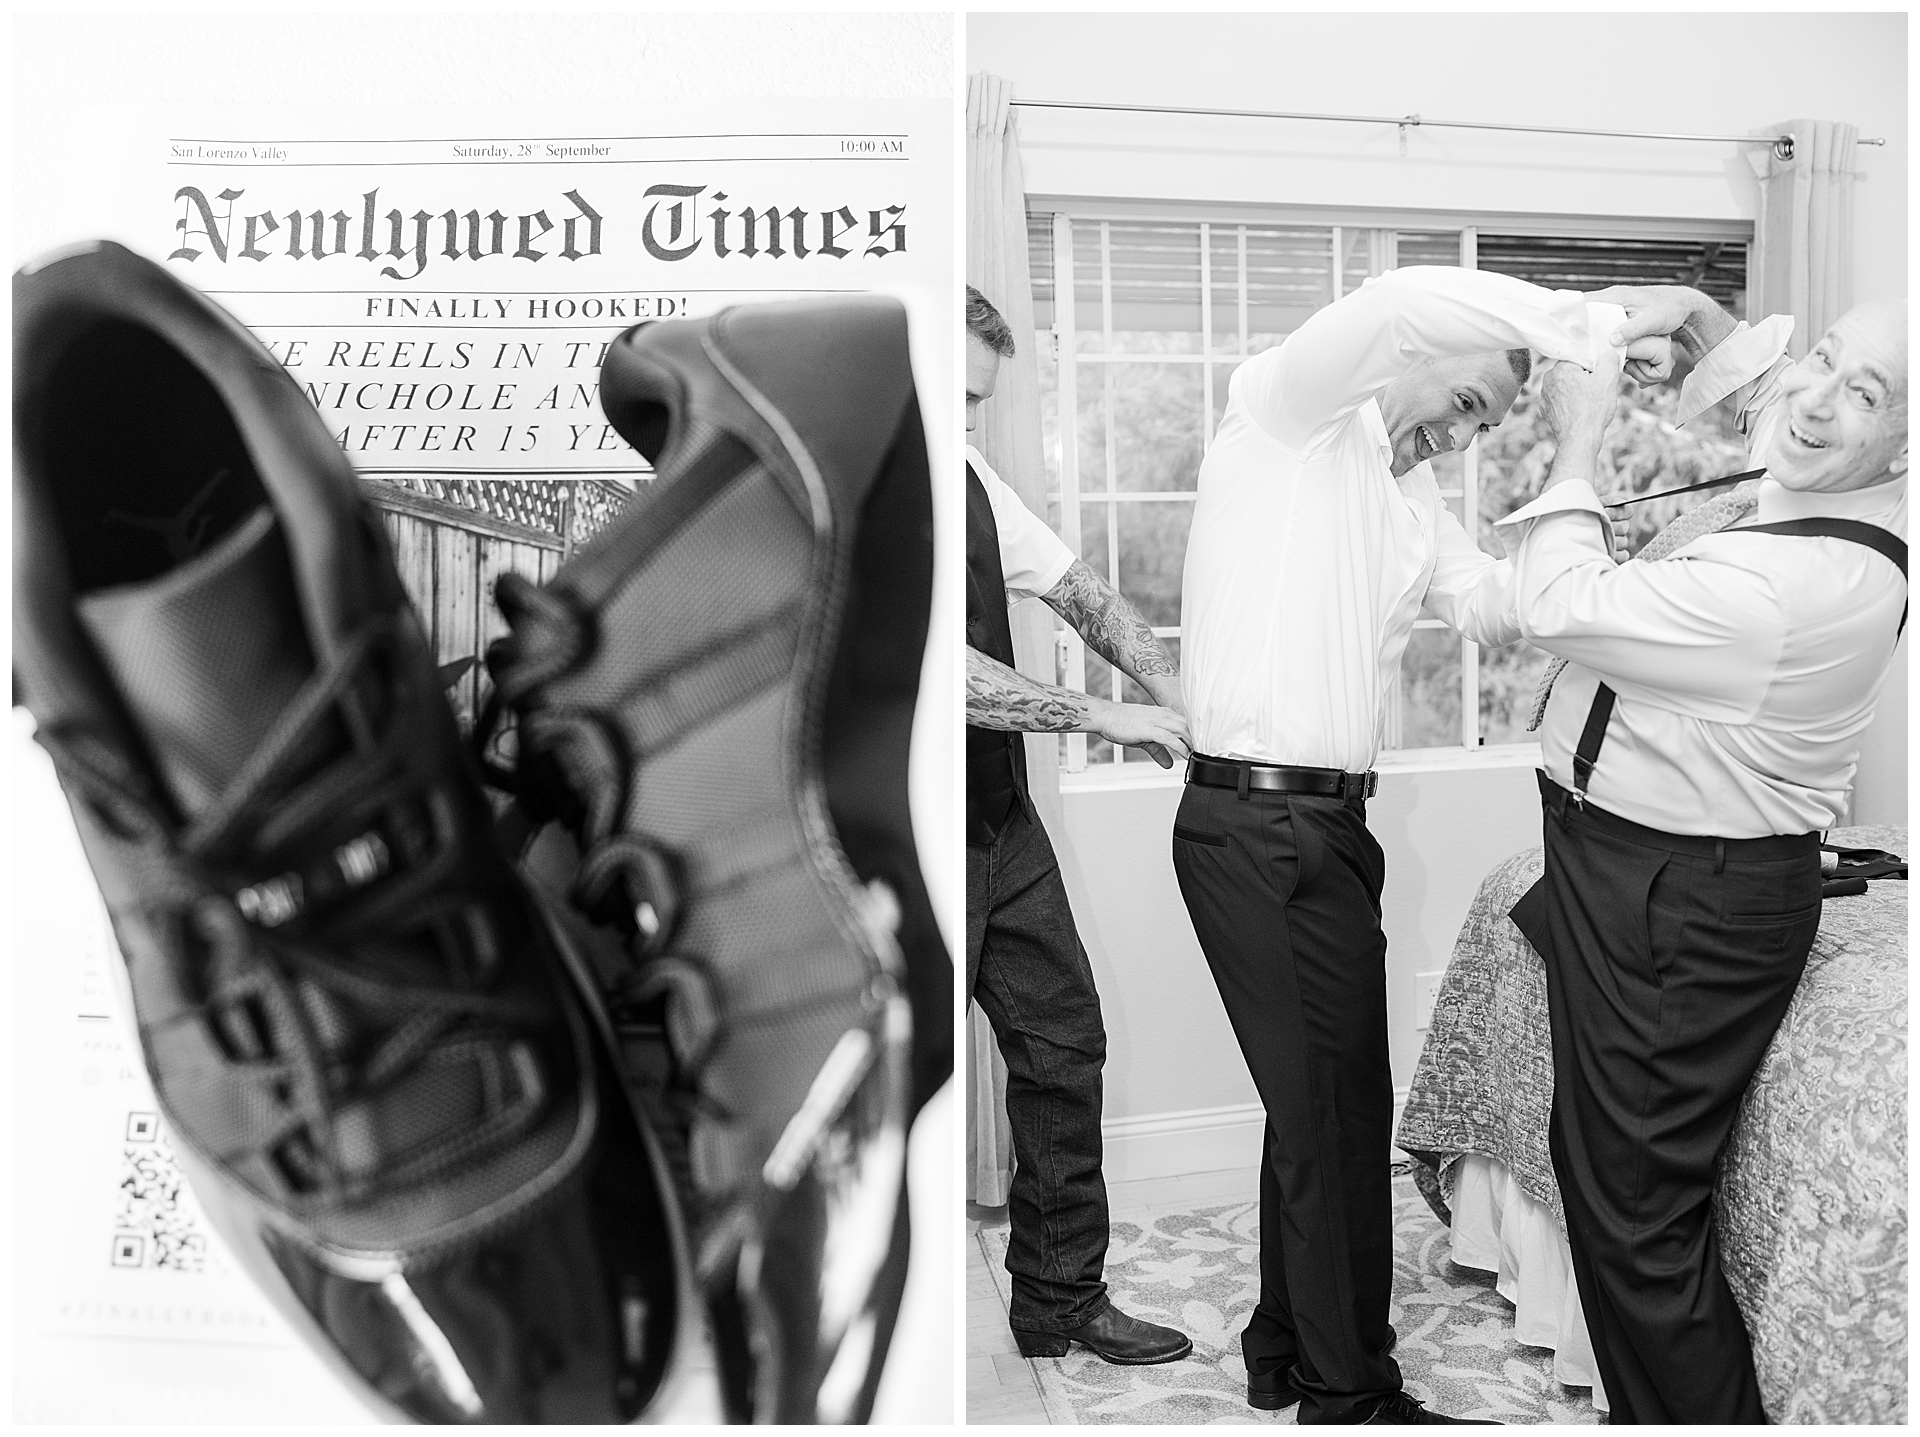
491,1107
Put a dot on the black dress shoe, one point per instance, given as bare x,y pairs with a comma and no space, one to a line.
1398,1408
1271,1391
1113,1337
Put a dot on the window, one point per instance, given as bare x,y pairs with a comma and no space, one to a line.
1142,319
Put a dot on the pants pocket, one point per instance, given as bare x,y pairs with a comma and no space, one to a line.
1771,932
1773,920
1194,835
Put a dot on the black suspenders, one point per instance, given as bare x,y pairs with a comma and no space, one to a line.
1853,530
1587,752
1591,737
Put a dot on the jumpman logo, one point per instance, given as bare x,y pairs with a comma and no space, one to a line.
182,532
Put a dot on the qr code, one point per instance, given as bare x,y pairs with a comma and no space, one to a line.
156,1225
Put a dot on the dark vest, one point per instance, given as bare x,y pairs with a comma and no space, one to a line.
996,761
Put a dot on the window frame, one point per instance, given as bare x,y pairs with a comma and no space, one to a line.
1065,212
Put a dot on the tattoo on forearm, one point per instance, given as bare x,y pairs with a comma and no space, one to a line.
1112,627
999,698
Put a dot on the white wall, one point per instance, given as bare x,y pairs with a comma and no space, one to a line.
1880,787
1707,74
1173,1069
1178,1096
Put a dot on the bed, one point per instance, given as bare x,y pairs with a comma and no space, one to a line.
1811,1196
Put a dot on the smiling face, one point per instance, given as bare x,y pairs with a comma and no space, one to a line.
983,372
1440,404
1845,420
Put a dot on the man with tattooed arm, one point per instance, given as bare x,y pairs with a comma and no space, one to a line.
1025,964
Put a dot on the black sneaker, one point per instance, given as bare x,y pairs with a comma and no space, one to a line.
715,697
383,1087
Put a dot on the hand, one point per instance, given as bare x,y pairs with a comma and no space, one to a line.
1617,525
1576,405
1160,731
1689,318
1651,309
1650,360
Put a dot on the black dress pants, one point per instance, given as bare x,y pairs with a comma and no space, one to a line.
1284,893
1029,974
1670,963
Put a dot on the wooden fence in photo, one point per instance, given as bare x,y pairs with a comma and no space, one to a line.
454,537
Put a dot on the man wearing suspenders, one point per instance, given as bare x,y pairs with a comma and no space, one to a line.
1025,964
1706,729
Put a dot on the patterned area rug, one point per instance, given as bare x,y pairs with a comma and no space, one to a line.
1199,1271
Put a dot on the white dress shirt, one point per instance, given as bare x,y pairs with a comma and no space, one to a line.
1308,560
1747,667
1032,557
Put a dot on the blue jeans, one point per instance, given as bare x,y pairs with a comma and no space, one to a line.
1029,974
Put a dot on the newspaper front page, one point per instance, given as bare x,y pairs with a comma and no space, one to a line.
445,302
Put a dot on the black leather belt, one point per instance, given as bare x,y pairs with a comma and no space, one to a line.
1245,775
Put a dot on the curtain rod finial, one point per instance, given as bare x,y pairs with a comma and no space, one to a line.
1783,147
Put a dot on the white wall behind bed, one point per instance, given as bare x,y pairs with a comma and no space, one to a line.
1178,1097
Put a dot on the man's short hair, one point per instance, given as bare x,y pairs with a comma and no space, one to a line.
985,324
1521,362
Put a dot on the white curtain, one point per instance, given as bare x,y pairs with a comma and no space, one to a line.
1803,241
989,1143
1008,435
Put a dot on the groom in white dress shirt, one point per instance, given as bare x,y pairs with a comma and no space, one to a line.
1318,537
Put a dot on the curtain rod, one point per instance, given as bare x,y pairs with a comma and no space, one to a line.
1782,144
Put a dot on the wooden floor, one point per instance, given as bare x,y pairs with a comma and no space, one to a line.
1001,1386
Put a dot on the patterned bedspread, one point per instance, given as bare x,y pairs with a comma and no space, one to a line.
1811,1200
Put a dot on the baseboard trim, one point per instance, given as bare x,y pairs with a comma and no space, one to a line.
1196,1140
1199,1140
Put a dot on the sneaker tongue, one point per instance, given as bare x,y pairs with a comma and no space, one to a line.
206,656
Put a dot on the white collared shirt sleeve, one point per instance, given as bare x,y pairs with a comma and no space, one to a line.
1470,591
1699,635
1745,366
1351,349
1032,557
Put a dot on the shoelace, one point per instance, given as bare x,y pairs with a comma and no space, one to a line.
329,915
570,765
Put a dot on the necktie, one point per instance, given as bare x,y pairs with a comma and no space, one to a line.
1708,518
